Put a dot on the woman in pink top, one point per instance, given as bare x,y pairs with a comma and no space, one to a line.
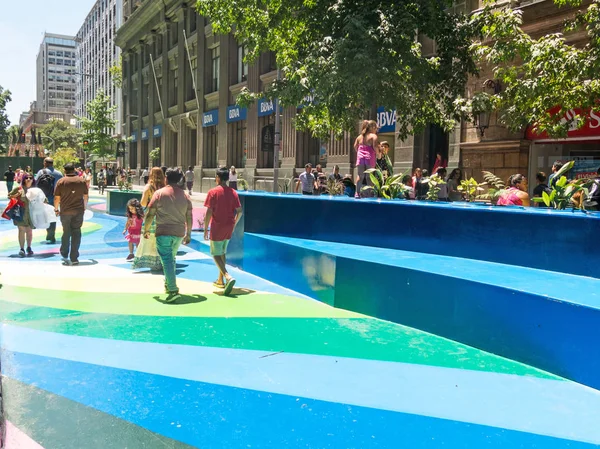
366,157
516,194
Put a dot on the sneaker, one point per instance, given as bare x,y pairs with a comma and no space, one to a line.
29,251
21,252
51,241
74,262
131,256
172,297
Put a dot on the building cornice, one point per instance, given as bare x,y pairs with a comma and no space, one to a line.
137,22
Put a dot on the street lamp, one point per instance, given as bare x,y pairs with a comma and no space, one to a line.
53,143
482,120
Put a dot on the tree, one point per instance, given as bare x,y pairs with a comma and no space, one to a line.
5,98
116,73
541,79
98,126
341,59
62,133
64,155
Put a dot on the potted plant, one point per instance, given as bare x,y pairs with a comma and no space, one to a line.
390,188
565,194
495,187
434,182
470,187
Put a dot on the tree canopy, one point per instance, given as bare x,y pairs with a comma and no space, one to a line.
5,98
98,126
340,58
62,133
538,75
349,57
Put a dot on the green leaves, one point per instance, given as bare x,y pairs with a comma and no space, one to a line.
435,181
5,98
390,188
62,134
98,126
538,75
354,56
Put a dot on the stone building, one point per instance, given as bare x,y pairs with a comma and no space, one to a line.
181,83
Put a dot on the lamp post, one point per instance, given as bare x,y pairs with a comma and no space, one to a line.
483,121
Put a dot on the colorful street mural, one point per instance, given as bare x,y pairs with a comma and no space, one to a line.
92,357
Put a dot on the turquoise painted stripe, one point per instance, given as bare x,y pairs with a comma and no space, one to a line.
553,408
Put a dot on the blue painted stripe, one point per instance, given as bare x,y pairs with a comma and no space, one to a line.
513,402
207,415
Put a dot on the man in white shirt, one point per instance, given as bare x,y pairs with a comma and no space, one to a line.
307,180
189,179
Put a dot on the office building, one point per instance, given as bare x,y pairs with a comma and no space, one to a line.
56,74
96,54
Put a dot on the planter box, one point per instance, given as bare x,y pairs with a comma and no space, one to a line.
117,200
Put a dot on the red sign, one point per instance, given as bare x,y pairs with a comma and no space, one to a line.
589,131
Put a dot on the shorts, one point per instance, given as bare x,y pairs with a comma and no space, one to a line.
218,248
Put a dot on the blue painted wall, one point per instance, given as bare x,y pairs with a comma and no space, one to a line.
562,241
498,308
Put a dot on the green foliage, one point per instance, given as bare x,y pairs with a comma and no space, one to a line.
154,156
390,188
563,192
335,188
243,184
62,133
537,75
495,187
469,187
64,155
350,57
434,182
5,98
116,73
97,127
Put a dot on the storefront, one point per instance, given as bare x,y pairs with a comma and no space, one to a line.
210,120
144,161
266,121
386,123
581,145
237,152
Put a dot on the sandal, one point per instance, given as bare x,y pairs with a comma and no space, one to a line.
217,284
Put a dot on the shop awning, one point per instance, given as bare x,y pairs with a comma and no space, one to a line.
589,131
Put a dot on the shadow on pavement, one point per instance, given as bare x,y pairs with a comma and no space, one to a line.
183,299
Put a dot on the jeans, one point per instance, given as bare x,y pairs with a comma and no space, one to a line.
71,238
9,185
167,246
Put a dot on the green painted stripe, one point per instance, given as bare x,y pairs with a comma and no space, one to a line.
250,305
56,422
365,338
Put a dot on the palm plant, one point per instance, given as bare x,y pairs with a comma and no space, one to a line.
563,192
335,188
434,182
243,184
495,187
390,188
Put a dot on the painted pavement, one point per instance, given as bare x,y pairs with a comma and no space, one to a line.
92,357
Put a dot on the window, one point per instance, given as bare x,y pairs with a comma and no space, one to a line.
211,137
215,56
193,21
237,150
173,35
190,83
242,63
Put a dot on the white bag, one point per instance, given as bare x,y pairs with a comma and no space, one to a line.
38,208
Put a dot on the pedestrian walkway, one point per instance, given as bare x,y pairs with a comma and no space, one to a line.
93,357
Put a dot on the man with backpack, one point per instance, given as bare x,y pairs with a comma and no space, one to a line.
46,180
541,187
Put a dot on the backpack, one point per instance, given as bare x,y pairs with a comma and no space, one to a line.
45,182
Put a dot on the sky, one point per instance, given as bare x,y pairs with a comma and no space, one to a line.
22,26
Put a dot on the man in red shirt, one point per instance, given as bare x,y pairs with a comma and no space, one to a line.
223,214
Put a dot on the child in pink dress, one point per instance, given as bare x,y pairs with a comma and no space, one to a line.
133,227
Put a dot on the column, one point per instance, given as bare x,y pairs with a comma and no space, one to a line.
223,100
140,81
200,86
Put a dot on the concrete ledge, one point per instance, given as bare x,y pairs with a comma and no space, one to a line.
547,320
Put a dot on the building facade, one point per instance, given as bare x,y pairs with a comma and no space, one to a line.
56,74
96,54
181,84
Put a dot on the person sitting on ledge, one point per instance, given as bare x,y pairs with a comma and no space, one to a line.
516,194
